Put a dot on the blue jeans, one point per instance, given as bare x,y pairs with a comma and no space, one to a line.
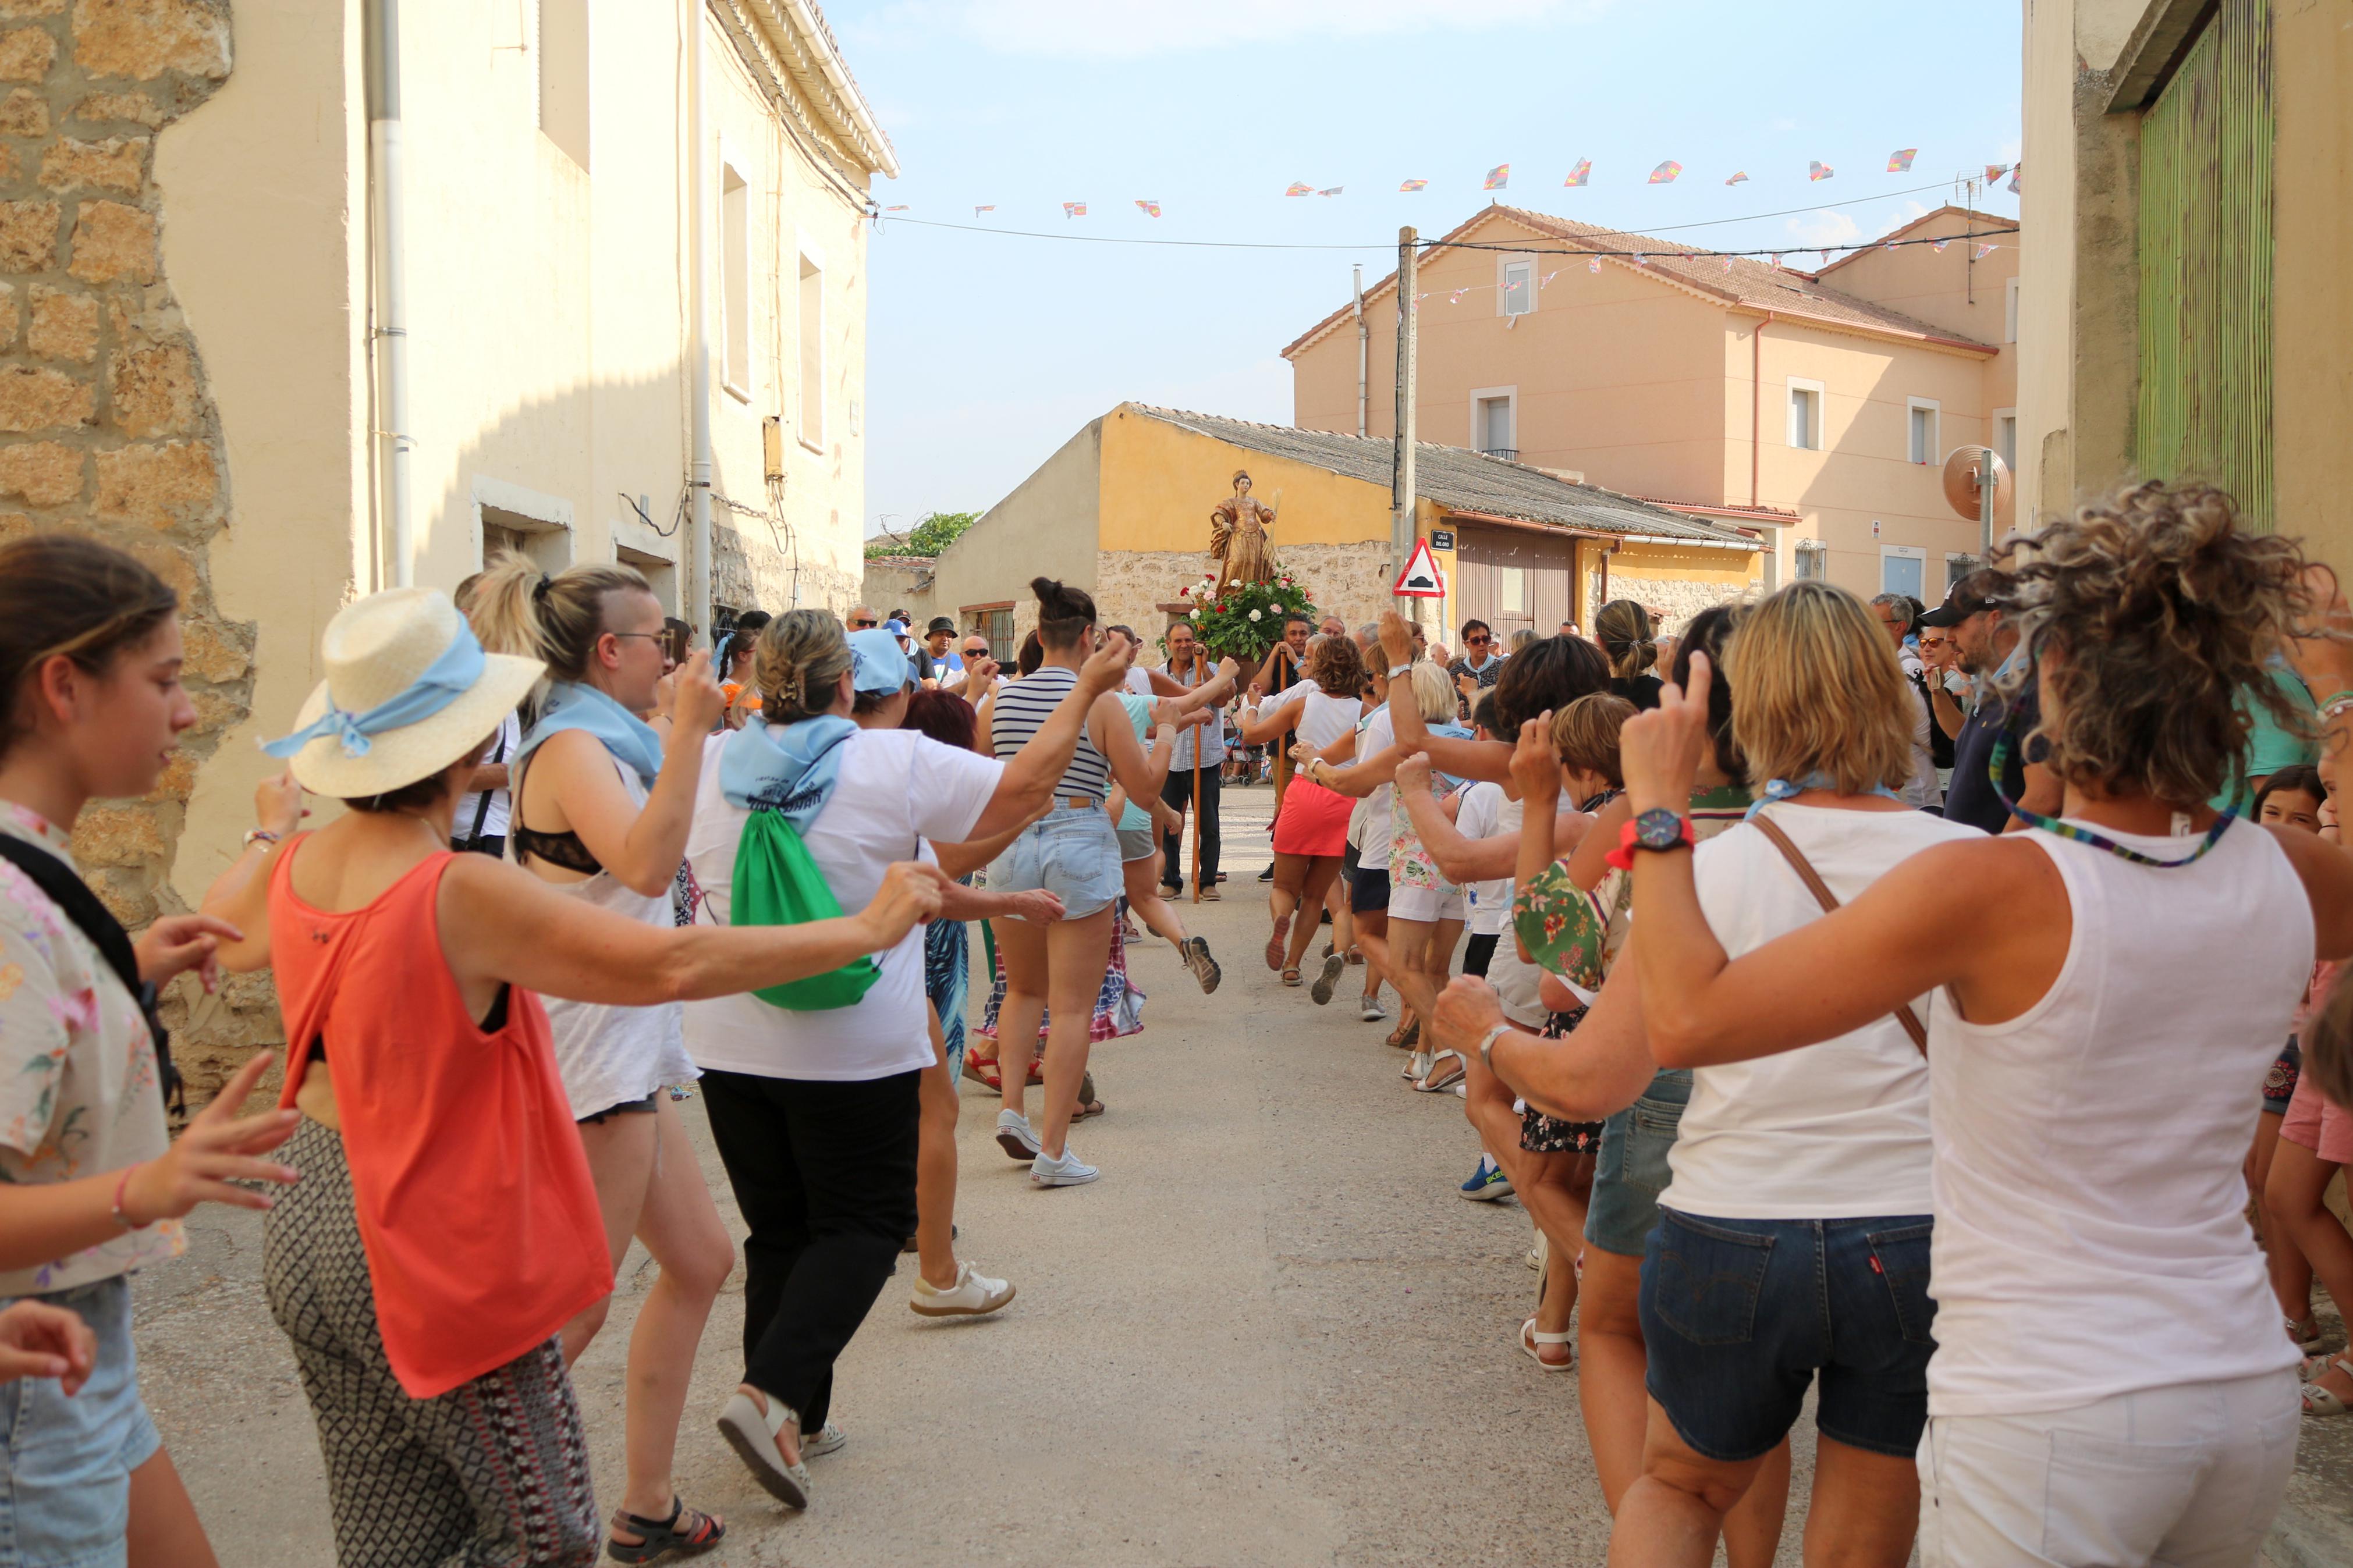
1631,1171
1740,1315
1073,855
65,1494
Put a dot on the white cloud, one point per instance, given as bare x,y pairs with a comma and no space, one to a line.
1126,29
1821,227
1785,123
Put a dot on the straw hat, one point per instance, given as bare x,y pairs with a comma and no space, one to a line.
374,650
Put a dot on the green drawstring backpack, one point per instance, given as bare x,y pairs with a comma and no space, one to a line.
777,884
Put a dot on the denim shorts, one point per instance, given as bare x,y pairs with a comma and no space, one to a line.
65,1494
1631,1171
1740,1315
1073,855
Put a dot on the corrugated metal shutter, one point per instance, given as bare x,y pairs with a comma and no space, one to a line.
2205,264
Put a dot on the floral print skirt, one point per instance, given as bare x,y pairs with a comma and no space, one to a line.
1542,1134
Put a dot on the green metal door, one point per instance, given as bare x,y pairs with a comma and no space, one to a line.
2205,247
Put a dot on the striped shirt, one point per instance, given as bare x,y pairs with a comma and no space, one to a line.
1023,706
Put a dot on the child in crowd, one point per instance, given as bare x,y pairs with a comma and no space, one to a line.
2295,798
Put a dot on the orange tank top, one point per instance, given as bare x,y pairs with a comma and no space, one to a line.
475,1205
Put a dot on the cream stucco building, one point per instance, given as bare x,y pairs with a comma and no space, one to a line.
1812,409
200,273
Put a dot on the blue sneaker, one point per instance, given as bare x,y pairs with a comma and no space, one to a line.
1487,1183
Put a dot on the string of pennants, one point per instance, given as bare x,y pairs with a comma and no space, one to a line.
1579,175
1979,250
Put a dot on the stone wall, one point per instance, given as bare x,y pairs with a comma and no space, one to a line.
1347,580
106,426
1679,597
754,573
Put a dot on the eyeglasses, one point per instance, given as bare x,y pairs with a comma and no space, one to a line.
663,636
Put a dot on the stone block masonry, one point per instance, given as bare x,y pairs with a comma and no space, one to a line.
106,427
1349,581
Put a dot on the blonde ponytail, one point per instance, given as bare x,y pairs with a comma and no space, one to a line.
518,609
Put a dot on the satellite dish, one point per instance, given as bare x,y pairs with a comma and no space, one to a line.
1962,483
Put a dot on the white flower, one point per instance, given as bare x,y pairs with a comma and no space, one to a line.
1233,582
1253,615
1196,614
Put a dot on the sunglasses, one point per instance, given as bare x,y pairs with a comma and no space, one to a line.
857,625
1477,642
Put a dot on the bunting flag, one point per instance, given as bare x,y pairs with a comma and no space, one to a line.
990,208
1593,264
1498,177
1938,245
1983,251
899,208
1548,277
1818,170
1333,192
1074,209
1415,185
1900,163
1641,259
1664,174
1739,179
1581,174
1727,264
2014,175
1300,188
1994,172
1456,298
1151,209
1776,260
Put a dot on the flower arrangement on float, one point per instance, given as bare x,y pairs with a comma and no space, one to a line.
1245,619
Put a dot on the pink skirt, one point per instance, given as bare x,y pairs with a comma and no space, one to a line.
1314,820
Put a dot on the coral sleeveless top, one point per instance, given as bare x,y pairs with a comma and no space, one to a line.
474,1201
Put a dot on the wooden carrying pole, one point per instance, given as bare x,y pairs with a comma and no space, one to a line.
1402,522
1220,720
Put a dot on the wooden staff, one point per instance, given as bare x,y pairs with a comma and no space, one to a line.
1220,720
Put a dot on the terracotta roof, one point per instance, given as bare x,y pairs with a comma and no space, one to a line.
1460,481
1747,283
1994,221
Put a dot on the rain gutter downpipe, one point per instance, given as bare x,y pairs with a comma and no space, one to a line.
698,572
392,440
1757,406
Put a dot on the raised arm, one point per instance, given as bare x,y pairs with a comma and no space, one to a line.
499,923
641,846
1459,859
1270,722
1030,776
1139,772
1596,1071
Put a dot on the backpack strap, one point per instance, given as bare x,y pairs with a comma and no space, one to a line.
1828,900
73,897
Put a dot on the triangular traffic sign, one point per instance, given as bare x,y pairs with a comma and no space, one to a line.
1420,580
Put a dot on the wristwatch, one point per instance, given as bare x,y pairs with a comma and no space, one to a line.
1487,1043
1398,670
1657,828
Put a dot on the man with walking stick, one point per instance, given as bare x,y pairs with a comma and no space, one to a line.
1193,774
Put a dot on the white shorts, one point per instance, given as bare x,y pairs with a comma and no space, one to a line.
1445,903
2187,1476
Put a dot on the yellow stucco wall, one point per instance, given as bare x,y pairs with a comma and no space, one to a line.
1160,483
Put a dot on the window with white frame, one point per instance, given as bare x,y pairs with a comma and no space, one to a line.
1812,559
1806,415
2010,313
1494,421
812,325
1519,287
1511,590
1921,414
2005,435
563,76
735,280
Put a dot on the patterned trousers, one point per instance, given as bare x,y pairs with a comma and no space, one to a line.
494,1474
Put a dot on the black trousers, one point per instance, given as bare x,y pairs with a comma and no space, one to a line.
1479,953
825,1175
1178,793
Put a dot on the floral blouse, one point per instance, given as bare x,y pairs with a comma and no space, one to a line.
1410,864
78,1088
1577,935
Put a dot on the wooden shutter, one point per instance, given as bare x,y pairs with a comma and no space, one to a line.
2205,243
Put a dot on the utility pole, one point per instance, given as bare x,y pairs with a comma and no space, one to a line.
1402,524
1363,345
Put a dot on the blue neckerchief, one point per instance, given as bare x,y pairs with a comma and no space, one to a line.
445,681
1782,789
789,769
572,706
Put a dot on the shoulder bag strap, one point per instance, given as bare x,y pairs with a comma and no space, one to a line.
72,896
1828,900
482,806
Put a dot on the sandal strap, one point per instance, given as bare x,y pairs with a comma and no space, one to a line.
684,1527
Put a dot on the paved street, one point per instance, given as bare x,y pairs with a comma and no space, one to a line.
1272,1334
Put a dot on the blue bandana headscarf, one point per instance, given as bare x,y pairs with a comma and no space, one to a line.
572,706
789,769
445,681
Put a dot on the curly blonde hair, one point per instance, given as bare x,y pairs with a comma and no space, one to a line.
2151,618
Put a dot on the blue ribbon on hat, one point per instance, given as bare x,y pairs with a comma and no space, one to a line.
1782,789
445,681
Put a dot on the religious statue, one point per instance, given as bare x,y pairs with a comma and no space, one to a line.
1240,550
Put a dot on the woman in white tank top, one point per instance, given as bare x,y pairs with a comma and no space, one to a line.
1311,835
2110,1384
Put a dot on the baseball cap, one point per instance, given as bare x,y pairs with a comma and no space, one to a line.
896,628
877,662
1980,590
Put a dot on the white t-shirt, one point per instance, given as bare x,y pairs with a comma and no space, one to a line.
1923,789
1322,719
896,788
1833,1130
1480,816
1514,979
1139,680
1373,848
494,820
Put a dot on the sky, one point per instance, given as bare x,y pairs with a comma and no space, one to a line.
986,352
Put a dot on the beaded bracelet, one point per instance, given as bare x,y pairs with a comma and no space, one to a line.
121,1187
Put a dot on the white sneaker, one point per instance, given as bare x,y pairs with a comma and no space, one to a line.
1013,1135
974,1295
1070,1171
825,1440
1371,1011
